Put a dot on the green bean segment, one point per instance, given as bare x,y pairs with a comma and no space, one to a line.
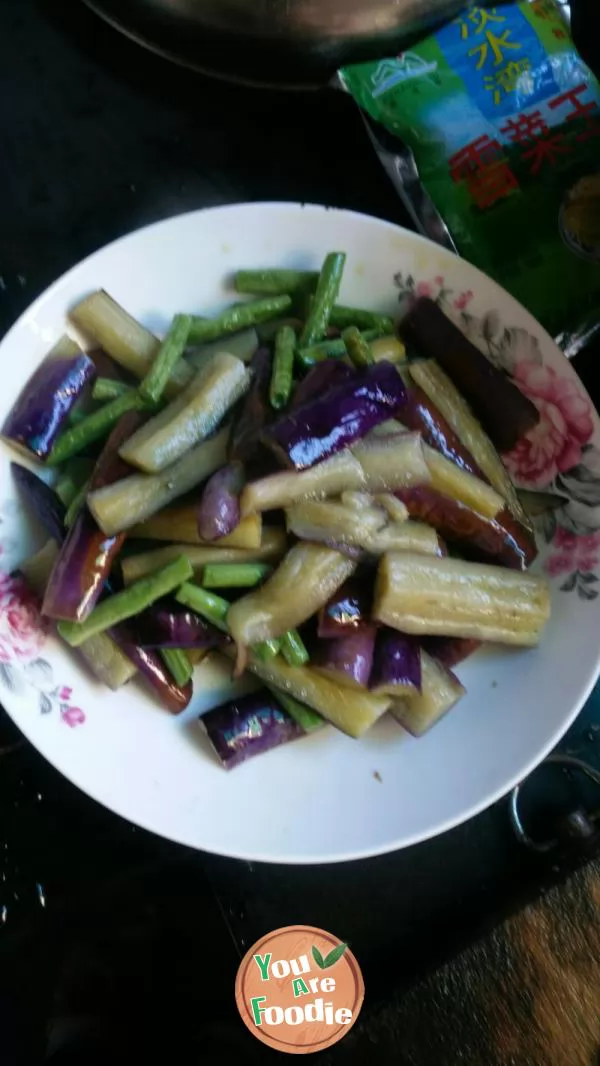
129,602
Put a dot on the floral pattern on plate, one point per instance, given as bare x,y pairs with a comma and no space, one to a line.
557,456
23,633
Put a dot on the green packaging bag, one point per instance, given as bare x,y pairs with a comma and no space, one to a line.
490,129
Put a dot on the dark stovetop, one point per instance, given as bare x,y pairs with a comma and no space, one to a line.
99,138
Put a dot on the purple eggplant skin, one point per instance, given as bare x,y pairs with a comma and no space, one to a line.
42,500
347,611
502,540
175,698
348,659
256,411
422,416
329,423
504,412
440,691
396,664
109,465
219,507
40,412
249,726
320,378
87,555
80,571
166,624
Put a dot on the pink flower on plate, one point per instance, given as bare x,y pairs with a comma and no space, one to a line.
22,628
7,582
23,632
573,553
559,564
72,716
423,288
554,446
461,303
563,538
590,542
587,564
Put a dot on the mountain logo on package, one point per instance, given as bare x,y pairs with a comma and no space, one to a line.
299,989
391,72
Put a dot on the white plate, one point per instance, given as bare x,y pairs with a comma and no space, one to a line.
325,798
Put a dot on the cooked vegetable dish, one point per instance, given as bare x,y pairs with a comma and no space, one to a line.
283,486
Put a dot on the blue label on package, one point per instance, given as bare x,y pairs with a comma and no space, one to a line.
499,57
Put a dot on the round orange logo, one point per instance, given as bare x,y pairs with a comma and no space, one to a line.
299,989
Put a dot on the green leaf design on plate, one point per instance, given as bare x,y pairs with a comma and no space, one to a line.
570,583
334,955
316,954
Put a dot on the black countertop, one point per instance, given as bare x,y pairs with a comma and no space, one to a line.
98,138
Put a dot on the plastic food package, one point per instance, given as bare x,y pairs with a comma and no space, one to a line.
490,130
